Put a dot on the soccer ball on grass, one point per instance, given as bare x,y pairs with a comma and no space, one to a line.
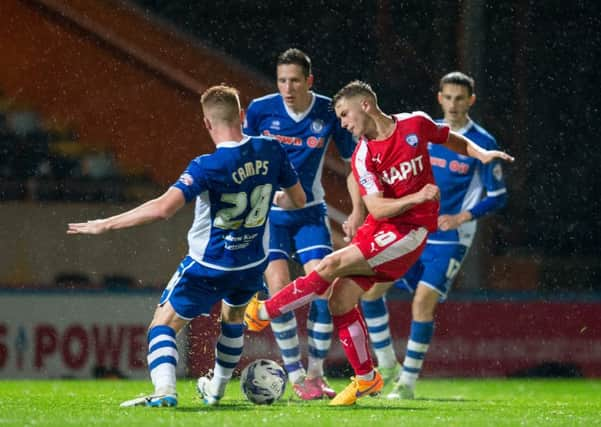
263,381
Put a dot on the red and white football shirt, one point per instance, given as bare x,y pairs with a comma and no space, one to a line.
400,165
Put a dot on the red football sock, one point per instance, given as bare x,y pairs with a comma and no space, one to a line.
353,336
296,294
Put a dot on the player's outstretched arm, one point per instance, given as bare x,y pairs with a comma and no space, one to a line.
162,207
381,207
462,145
291,198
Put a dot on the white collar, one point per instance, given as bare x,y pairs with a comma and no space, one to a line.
467,127
233,144
297,117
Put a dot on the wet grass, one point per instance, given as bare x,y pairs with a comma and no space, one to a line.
481,402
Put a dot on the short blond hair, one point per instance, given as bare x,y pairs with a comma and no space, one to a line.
353,89
221,103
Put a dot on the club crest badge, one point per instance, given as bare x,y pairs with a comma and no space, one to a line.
317,126
497,172
412,139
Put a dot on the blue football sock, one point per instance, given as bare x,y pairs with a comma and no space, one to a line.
162,358
284,330
319,331
376,318
417,346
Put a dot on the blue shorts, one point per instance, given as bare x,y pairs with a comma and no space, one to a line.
302,234
194,289
437,268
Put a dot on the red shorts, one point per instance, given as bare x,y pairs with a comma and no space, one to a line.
389,249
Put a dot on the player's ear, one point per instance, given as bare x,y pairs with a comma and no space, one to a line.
207,123
439,97
242,115
472,99
365,105
310,80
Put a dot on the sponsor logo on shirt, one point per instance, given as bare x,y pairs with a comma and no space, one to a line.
461,168
438,161
312,142
456,166
236,243
403,171
368,182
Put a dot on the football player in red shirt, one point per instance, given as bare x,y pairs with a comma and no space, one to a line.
392,172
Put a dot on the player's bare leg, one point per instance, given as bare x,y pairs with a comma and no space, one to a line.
344,262
422,328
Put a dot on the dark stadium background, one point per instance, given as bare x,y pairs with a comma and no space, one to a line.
536,69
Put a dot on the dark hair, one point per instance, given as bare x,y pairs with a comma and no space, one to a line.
297,57
352,89
458,78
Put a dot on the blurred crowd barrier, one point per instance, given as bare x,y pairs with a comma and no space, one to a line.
532,338
76,335
37,252
79,334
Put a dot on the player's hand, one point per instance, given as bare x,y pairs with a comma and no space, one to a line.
97,226
350,226
452,222
428,193
490,155
281,199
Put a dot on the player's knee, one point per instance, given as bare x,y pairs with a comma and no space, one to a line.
423,307
276,284
233,315
276,281
376,292
341,302
329,266
337,306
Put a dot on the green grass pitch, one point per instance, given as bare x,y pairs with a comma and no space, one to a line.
479,402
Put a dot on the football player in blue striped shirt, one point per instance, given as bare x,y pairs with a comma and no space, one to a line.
233,189
305,124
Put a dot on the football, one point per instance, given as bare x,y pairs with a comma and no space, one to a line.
263,381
